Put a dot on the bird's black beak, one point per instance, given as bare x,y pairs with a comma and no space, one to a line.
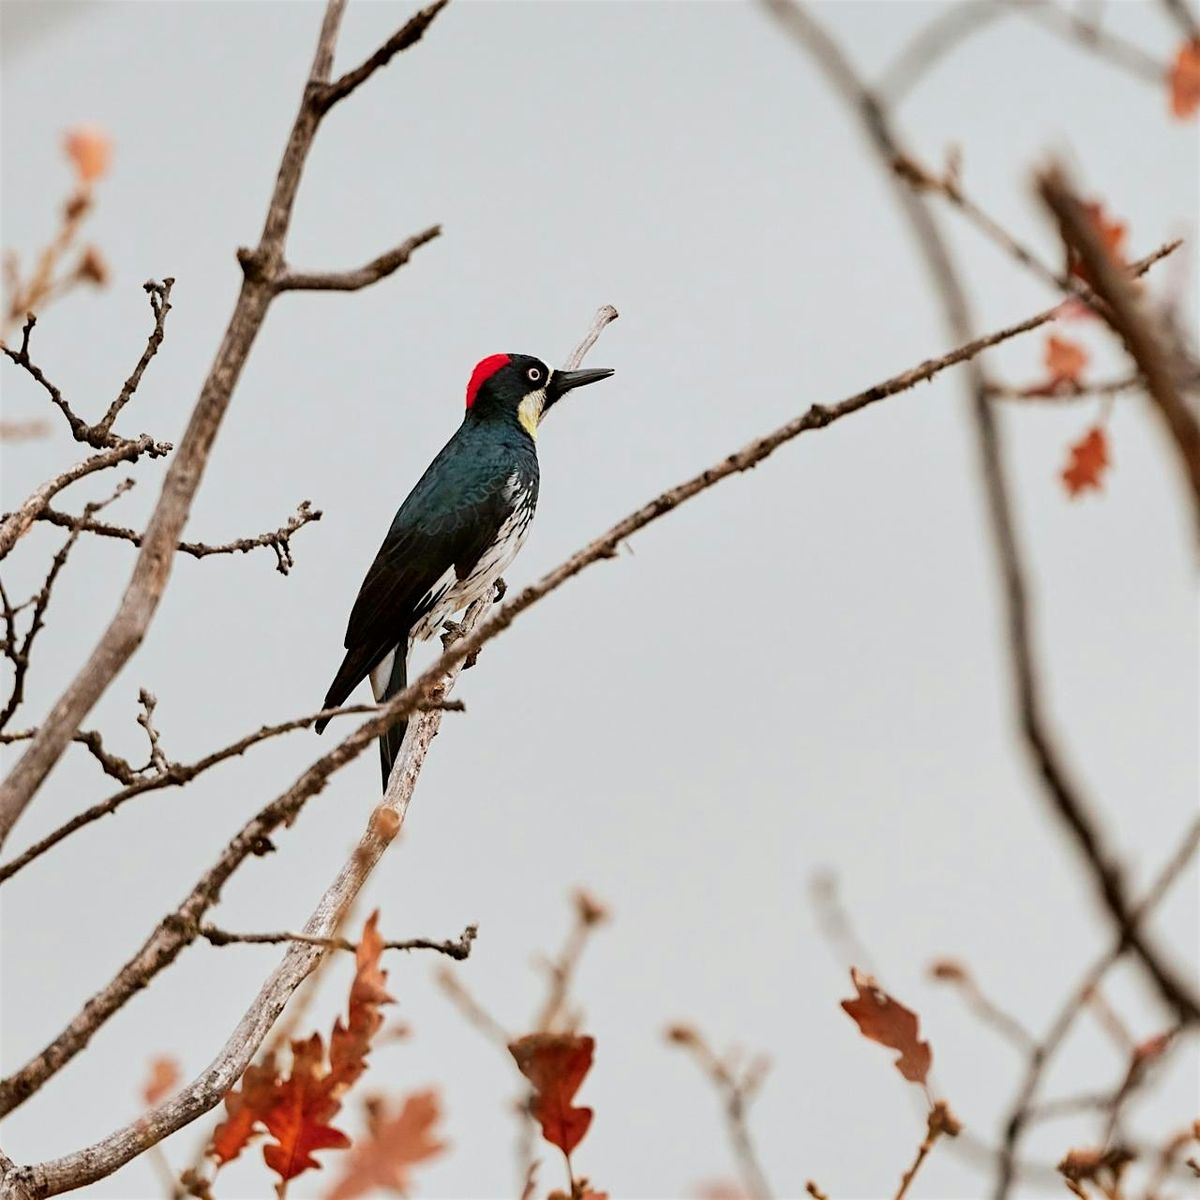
562,382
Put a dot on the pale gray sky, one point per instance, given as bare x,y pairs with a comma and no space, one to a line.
802,669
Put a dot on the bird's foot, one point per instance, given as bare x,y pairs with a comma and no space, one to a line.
501,588
451,632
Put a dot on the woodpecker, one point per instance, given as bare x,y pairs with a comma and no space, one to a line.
457,531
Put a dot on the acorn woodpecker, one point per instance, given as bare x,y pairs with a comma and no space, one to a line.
458,530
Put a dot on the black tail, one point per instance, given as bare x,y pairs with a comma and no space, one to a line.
353,670
392,738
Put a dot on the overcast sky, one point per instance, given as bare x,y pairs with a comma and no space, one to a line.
803,669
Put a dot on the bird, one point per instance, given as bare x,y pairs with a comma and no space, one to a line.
458,530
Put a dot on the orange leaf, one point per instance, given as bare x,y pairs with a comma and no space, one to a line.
1064,359
1184,80
299,1118
556,1063
163,1079
90,149
349,1043
885,1020
1088,462
392,1145
245,1108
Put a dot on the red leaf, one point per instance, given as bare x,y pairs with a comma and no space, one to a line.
556,1063
350,1043
392,1145
885,1020
1184,80
298,1119
163,1079
1088,462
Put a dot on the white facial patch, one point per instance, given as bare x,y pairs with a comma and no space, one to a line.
529,411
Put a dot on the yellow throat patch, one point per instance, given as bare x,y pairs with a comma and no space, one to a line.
529,412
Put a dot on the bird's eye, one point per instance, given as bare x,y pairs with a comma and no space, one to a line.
533,374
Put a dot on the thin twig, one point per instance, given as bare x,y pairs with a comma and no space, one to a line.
278,540
939,1121
457,948
350,281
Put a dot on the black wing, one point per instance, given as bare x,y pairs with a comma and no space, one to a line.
442,530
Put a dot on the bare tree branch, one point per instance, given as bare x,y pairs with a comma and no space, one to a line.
737,1087
175,775
350,281
262,269
407,35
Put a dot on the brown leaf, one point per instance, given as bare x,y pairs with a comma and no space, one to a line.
349,1043
1088,462
162,1080
90,149
393,1144
556,1064
1184,80
885,1020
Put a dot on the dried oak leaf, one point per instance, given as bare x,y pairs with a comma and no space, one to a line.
90,150
393,1144
245,1107
1184,80
350,1043
1087,463
885,1020
296,1109
162,1080
556,1064
298,1119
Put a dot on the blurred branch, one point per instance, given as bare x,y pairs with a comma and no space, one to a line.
1066,799
1092,37
1183,17
737,1088
937,38
1128,317
278,540
262,269
1075,1004
985,1009
940,1120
